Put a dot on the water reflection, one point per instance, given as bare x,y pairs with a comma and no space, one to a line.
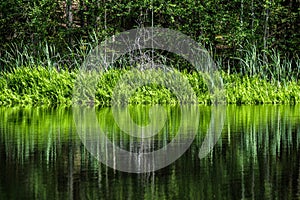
145,157
257,157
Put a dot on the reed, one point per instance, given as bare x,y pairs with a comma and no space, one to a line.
270,65
259,77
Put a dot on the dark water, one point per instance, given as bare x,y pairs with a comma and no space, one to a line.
256,157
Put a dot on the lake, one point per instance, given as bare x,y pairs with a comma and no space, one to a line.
256,156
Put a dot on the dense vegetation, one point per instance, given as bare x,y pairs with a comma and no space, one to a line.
223,24
255,43
40,86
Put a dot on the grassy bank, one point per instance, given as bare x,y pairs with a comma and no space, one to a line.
47,86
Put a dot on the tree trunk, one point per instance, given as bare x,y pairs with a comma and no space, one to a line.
69,13
266,30
81,15
252,17
69,16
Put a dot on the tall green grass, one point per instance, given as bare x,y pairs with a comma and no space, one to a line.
258,77
68,56
270,65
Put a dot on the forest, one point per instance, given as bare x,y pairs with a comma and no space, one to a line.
254,43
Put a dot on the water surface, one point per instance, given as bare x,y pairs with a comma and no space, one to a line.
257,157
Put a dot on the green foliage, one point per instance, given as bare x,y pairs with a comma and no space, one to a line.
41,86
29,21
254,90
223,25
38,85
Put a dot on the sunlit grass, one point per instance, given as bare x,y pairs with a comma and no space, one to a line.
255,90
47,86
259,77
36,86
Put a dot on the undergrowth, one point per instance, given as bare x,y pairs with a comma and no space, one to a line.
47,86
